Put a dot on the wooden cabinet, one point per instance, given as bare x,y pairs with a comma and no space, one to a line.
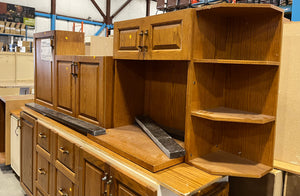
98,178
160,37
47,45
27,131
43,173
84,88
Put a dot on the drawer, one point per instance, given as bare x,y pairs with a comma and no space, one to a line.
64,185
65,152
43,137
42,172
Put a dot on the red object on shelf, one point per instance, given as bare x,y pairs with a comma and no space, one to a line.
194,1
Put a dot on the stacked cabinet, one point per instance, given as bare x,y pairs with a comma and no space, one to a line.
223,96
83,88
47,45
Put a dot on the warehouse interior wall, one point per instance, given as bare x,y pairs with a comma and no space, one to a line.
82,9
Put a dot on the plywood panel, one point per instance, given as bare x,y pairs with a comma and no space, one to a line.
288,123
24,67
102,46
7,66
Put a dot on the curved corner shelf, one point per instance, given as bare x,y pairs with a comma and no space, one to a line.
232,115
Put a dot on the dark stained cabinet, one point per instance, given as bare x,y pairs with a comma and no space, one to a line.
84,88
47,45
27,130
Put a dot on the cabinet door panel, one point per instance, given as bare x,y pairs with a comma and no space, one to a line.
65,87
124,191
89,85
128,39
170,36
93,185
43,173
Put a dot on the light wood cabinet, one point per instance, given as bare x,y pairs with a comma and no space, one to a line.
160,37
84,88
27,131
47,45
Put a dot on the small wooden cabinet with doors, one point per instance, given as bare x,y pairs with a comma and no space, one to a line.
28,124
159,37
99,178
47,45
84,88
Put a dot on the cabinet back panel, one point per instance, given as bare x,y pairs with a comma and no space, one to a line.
154,88
43,74
239,37
165,93
69,43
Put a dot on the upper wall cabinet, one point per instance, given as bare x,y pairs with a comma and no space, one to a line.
47,45
83,88
160,37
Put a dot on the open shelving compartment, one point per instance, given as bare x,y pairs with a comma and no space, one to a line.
156,89
233,87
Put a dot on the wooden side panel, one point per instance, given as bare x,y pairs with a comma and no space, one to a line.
2,126
44,72
27,129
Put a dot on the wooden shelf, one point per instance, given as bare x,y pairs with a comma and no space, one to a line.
224,163
232,115
237,62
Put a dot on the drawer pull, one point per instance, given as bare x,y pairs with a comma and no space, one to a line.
61,149
41,135
41,171
61,193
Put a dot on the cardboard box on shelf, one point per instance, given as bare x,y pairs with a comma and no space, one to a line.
2,26
26,43
18,30
7,27
12,28
23,30
25,49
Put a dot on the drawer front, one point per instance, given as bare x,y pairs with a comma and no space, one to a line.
64,185
43,137
65,152
42,172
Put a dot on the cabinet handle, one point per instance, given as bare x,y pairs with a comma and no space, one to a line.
72,69
41,171
144,40
62,150
141,39
41,135
61,193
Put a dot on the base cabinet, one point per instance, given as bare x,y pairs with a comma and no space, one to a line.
99,178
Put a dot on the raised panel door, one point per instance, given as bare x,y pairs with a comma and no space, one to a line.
65,84
128,39
93,185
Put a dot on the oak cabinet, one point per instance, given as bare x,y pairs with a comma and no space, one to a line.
83,88
98,178
43,173
160,37
47,45
27,131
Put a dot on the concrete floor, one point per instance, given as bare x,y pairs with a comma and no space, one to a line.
9,184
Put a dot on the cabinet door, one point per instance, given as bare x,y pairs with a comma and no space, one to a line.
89,86
169,36
27,130
125,184
128,39
65,84
93,175
44,68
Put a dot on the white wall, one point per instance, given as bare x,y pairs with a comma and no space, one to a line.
83,9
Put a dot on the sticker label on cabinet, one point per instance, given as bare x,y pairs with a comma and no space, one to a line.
46,50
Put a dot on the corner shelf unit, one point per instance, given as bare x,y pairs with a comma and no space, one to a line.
233,89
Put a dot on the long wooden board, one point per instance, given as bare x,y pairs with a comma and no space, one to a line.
132,143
